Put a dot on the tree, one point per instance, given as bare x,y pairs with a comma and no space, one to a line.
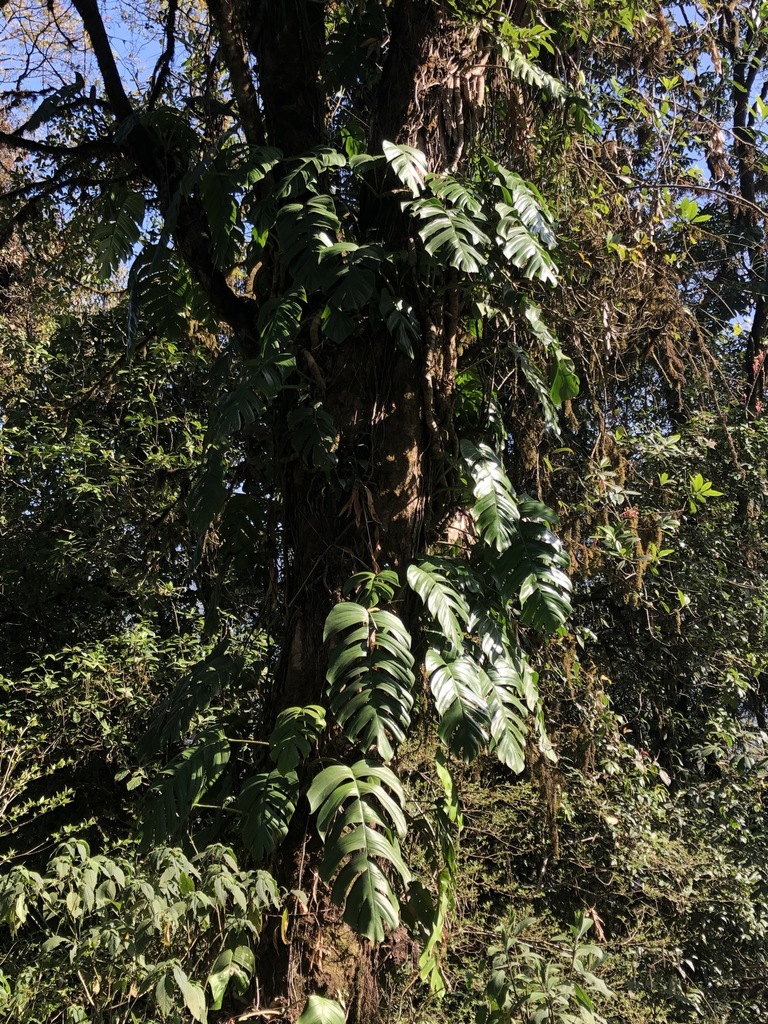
315,365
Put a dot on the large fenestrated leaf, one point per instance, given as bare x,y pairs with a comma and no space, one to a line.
359,816
450,234
525,202
459,691
305,231
181,785
444,601
209,492
530,73
119,230
523,248
507,686
409,164
370,676
191,695
495,510
280,321
401,321
267,802
305,170
54,103
296,732
456,192
533,571
223,182
162,296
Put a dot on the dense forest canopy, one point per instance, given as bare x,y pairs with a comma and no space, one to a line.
383,509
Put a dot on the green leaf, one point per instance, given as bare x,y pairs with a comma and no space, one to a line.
192,994
522,248
370,676
409,164
209,492
267,802
305,231
565,384
314,436
119,231
401,322
533,570
359,815
507,685
322,1011
495,510
193,694
296,732
164,995
53,104
450,234
235,965
459,688
445,603
523,69
181,785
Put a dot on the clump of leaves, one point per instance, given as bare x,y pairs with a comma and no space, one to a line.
531,987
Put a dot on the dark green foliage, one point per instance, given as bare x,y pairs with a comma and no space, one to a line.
382,489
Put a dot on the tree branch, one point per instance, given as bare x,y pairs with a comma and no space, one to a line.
225,18
94,26
12,141
163,66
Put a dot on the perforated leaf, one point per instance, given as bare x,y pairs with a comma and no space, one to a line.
450,234
459,690
305,230
495,510
401,321
507,684
267,802
359,815
533,75
191,695
296,732
119,230
523,248
181,785
445,603
370,676
409,164
533,571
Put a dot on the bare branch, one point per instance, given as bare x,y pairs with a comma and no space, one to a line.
94,26
163,66
227,24
12,141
